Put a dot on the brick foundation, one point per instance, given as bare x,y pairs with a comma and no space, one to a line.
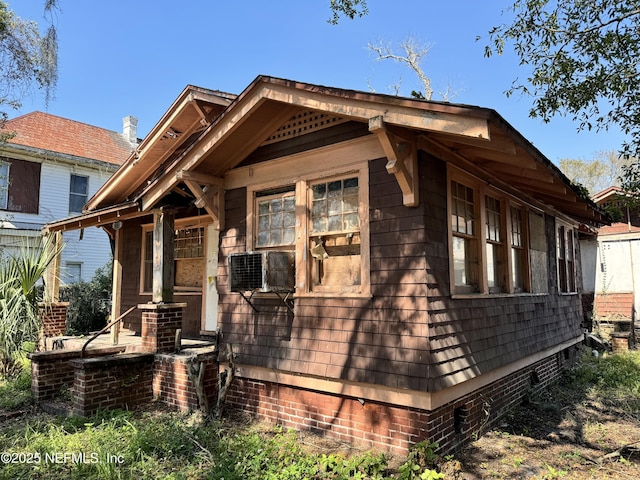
171,383
54,318
391,427
107,383
52,372
159,325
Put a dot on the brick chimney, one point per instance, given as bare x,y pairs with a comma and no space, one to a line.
130,129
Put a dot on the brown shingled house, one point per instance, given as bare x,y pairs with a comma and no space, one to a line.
387,269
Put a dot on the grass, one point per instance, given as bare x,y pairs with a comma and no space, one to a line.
157,444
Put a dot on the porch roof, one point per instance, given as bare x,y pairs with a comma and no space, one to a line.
205,134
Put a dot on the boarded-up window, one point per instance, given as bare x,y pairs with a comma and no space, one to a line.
19,185
188,257
538,254
334,240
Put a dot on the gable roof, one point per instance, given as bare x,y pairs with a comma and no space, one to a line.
477,138
43,131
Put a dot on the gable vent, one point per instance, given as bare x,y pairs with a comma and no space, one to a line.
303,123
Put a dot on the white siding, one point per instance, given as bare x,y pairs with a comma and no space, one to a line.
94,250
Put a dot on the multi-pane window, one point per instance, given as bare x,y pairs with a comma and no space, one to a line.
334,206
78,193
495,244
465,256
518,250
188,255
334,241
566,259
323,224
276,224
4,184
489,249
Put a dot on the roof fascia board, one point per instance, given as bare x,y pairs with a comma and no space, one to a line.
39,155
186,99
401,112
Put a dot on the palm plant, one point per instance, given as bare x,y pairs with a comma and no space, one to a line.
20,320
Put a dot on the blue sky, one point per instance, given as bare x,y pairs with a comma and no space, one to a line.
133,57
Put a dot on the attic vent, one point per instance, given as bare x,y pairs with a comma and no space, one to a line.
302,123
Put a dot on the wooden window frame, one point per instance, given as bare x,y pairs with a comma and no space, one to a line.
481,191
180,224
266,196
566,258
303,231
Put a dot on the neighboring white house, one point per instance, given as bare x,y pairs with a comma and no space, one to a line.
48,171
611,262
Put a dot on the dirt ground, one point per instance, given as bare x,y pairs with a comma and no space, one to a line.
563,432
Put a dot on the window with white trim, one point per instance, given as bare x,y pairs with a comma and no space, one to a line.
78,193
4,184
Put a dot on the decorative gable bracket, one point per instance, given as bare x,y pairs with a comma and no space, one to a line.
402,160
208,192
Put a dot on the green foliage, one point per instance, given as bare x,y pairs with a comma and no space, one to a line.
580,60
27,59
15,392
421,463
89,302
349,8
19,311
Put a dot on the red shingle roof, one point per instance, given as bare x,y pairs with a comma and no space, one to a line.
618,229
61,135
613,305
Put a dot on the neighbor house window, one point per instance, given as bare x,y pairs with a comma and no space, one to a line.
72,272
4,184
489,241
78,193
188,254
566,259
324,223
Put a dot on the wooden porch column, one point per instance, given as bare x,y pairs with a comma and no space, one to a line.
116,285
52,274
163,268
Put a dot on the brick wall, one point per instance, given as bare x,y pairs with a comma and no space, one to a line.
54,318
390,427
106,383
171,383
51,372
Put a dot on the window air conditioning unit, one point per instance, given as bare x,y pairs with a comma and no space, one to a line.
266,271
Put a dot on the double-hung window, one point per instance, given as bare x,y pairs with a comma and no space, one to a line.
276,214
78,193
4,184
489,252
566,259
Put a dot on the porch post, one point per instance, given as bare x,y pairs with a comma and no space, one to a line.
52,274
163,269
116,286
